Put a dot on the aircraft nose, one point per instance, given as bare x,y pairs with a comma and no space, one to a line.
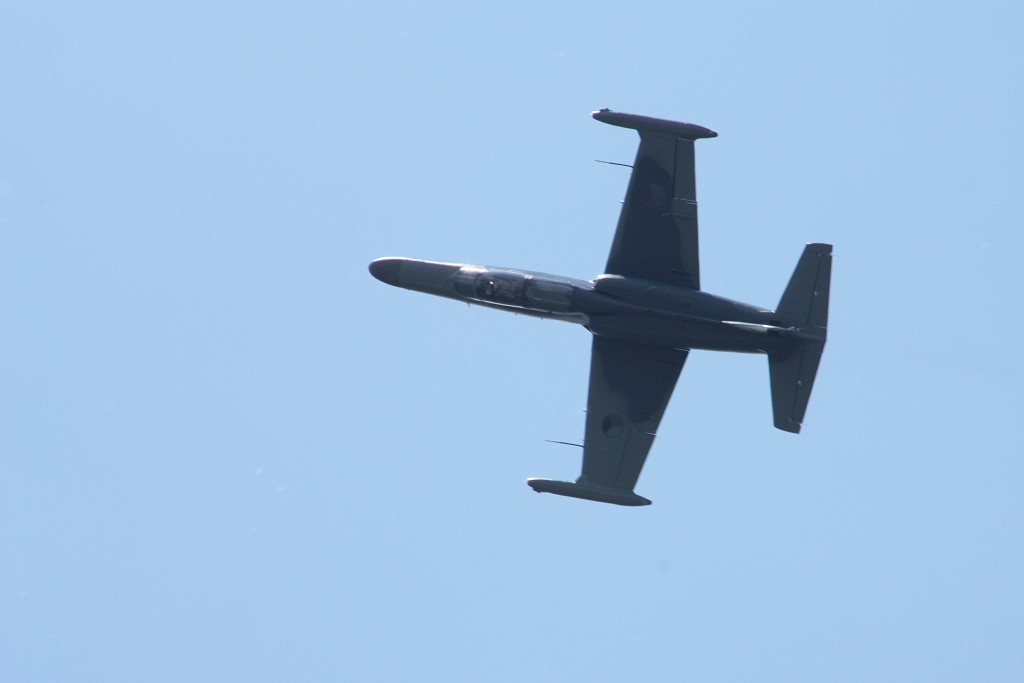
386,270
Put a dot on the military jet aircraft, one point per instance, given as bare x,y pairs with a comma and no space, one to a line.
647,311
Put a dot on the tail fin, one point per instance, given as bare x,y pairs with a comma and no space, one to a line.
804,305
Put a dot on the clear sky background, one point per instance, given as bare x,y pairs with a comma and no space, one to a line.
228,453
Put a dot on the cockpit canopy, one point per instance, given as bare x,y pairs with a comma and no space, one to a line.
511,288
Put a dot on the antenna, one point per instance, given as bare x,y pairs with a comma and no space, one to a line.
565,443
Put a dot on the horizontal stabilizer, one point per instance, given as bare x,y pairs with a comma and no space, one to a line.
804,304
792,377
804,309
602,494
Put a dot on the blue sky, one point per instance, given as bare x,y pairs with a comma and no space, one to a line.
228,453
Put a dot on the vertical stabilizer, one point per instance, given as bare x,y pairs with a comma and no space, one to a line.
804,306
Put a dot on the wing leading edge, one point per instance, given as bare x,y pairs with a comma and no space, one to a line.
656,238
630,386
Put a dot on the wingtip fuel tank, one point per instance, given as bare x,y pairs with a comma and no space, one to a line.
581,489
686,131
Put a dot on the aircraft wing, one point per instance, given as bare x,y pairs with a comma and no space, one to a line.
656,238
630,385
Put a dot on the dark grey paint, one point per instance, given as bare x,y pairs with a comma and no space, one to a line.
647,311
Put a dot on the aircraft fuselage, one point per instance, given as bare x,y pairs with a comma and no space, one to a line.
614,306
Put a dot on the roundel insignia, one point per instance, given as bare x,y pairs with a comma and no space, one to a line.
612,425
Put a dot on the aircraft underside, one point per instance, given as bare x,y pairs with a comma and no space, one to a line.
647,311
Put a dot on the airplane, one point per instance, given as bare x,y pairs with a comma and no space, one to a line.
647,311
